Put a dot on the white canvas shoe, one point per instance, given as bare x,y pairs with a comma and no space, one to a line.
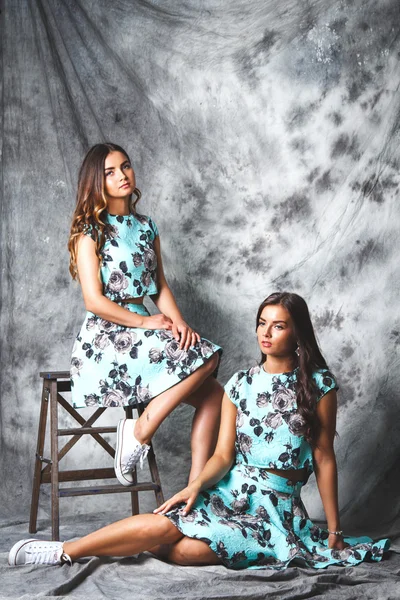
128,452
37,552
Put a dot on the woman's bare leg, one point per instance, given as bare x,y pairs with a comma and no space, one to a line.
187,552
207,402
124,538
163,404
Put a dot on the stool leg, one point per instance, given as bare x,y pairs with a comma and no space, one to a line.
155,476
134,495
55,511
37,475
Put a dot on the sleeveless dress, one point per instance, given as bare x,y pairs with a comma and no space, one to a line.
114,365
255,519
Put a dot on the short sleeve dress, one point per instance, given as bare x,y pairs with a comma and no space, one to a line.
253,518
114,365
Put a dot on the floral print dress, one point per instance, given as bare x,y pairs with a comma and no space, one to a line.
253,518
114,365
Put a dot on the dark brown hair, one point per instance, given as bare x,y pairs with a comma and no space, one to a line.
91,201
309,357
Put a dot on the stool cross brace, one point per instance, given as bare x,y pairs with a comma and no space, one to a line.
54,384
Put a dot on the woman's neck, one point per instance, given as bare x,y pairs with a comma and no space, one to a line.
118,206
279,364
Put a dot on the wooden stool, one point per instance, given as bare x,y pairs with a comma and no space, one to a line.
54,384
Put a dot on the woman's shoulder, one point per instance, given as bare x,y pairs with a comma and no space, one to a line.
244,376
147,221
90,230
323,373
232,387
325,381
239,382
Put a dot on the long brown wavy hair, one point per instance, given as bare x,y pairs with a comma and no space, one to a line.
91,201
308,360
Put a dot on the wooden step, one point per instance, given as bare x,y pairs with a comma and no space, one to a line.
86,430
80,475
108,489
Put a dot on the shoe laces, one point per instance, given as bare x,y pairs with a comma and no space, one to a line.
138,455
42,553
65,558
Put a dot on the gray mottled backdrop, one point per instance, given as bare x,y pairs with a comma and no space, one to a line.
265,138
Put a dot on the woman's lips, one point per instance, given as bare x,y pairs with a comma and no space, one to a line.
266,344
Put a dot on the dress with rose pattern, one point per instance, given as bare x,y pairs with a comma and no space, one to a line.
253,518
113,365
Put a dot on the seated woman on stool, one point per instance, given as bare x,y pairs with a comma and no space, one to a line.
244,509
123,356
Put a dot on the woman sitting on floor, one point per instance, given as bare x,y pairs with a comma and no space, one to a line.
244,509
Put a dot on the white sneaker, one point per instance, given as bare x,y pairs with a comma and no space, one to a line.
128,452
37,552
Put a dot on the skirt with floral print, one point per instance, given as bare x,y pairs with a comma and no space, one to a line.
113,365
253,519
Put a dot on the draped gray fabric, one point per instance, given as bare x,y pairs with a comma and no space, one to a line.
265,139
145,578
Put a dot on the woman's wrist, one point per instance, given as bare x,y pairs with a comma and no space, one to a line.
196,484
139,321
177,319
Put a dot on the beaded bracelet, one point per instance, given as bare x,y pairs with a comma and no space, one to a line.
335,532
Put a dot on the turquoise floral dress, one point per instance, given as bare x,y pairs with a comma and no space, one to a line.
113,365
253,518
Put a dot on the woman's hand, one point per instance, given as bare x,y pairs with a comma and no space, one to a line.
187,495
184,335
336,542
158,321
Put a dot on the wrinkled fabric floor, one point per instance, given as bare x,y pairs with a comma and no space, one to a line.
145,578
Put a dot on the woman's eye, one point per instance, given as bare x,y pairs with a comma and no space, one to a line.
278,327
128,166
108,173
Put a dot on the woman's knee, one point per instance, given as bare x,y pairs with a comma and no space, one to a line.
211,364
210,383
214,361
188,552
160,528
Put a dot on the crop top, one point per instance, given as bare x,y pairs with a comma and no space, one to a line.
129,262
268,426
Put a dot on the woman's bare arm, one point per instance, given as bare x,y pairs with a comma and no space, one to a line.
325,465
166,304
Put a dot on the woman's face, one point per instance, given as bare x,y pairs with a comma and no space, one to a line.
275,332
119,177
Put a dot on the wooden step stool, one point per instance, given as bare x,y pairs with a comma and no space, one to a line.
54,384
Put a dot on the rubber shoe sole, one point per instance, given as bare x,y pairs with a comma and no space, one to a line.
12,556
125,479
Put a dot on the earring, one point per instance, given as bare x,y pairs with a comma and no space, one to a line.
297,351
